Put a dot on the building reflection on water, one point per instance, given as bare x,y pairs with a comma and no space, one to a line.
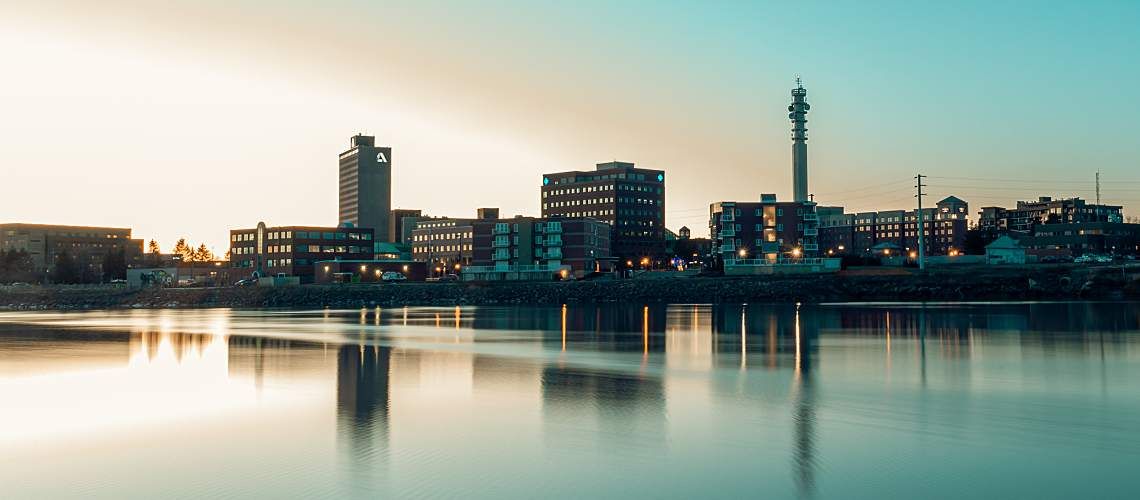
362,405
602,375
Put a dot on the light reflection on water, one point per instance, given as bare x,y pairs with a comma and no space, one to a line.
870,400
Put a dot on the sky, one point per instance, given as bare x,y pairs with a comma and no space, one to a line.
191,118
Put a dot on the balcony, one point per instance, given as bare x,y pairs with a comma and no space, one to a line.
502,229
811,247
727,232
554,242
501,243
727,217
554,228
811,231
811,216
553,253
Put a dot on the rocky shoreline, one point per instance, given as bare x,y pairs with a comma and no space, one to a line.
988,284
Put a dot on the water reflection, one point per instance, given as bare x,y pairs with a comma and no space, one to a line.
362,390
435,400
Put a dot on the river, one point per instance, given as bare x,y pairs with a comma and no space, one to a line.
949,400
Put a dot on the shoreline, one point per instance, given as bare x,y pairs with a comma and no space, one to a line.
1059,283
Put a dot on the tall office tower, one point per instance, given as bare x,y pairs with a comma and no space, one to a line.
366,185
798,114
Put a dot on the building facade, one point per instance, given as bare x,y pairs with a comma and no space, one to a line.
291,251
88,246
401,222
860,233
543,245
366,186
630,199
1099,238
767,230
445,244
1046,210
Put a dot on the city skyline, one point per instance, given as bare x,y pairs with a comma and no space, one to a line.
224,104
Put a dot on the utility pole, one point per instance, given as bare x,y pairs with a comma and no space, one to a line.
921,234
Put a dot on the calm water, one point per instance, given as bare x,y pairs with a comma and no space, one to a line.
681,401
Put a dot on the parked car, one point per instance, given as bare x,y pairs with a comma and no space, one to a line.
393,277
245,282
449,277
19,283
118,281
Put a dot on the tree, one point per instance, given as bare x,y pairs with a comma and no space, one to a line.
115,265
183,250
66,270
154,255
203,254
17,266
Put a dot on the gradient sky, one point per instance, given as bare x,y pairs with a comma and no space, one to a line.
191,118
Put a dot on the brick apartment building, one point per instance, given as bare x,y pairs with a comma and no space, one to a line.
860,233
765,230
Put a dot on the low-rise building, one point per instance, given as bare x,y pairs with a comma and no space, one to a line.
1046,210
401,222
443,243
1101,238
767,229
88,247
944,225
291,251
1005,250
367,271
539,248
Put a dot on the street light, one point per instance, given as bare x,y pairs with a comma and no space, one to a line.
796,252
840,248
742,253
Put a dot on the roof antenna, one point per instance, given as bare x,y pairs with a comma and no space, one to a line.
799,81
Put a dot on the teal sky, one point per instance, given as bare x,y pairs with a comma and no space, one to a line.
215,115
